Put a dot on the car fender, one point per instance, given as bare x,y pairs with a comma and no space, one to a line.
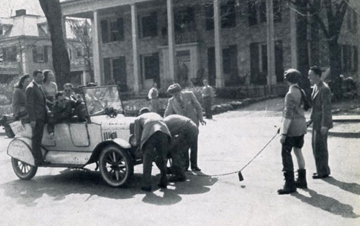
117,141
20,148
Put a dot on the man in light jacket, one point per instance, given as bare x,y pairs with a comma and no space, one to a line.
153,137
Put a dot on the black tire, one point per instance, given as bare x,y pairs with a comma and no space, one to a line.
23,170
116,166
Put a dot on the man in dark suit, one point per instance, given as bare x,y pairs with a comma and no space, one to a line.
322,121
35,105
185,103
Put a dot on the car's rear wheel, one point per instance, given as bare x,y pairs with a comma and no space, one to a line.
23,170
116,166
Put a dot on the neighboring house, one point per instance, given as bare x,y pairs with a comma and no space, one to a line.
130,42
25,46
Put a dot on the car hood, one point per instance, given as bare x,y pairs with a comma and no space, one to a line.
120,125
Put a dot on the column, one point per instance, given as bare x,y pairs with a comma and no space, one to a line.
218,50
271,78
97,48
171,40
135,44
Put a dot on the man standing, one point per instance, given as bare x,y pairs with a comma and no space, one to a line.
153,137
207,95
322,121
184,133
153,96
35,105
185,104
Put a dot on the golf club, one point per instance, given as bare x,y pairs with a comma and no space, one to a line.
241,178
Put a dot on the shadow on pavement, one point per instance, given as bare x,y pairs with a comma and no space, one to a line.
326,203
195,184
344,134
88,182
350,187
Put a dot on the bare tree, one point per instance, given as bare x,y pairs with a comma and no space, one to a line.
328,15
61,62
82,32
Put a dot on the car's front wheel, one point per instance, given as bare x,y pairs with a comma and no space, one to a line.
116,166
23,170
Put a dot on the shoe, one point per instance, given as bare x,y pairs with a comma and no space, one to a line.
316,176
195,168
161,185
289,186
146,188
177,179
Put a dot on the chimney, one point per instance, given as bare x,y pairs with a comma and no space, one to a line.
20,12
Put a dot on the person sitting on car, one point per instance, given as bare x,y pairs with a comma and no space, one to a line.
63,111
152,136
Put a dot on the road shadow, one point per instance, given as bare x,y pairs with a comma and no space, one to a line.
327,204
349,187
88,182
344,134
196,183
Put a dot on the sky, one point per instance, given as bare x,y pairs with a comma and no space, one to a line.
8,7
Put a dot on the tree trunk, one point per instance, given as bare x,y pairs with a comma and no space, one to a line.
61,62
335,68
302,45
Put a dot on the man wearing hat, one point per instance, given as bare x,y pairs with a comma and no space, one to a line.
185,103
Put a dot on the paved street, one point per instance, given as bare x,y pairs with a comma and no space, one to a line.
226,144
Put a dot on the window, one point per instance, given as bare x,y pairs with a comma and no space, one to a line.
112,30
148,25
1,30
115,72
184,20
227,12
259,65
9,54
150,66
257,11
40,54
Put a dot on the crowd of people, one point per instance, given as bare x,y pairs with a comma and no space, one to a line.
175,135
38,102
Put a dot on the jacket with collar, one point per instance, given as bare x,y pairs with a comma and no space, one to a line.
35,102
294,111
321,106
192,108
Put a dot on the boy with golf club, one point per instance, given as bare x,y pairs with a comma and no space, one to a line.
292,133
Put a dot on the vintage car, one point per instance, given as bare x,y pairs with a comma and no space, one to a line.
103,139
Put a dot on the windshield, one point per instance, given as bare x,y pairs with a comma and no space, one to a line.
100,100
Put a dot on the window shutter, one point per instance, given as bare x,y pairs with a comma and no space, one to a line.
120,28
254,61
45,54
104,31
107,70
154,26
34,55
156,68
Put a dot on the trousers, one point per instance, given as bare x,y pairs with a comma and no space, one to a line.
154,149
